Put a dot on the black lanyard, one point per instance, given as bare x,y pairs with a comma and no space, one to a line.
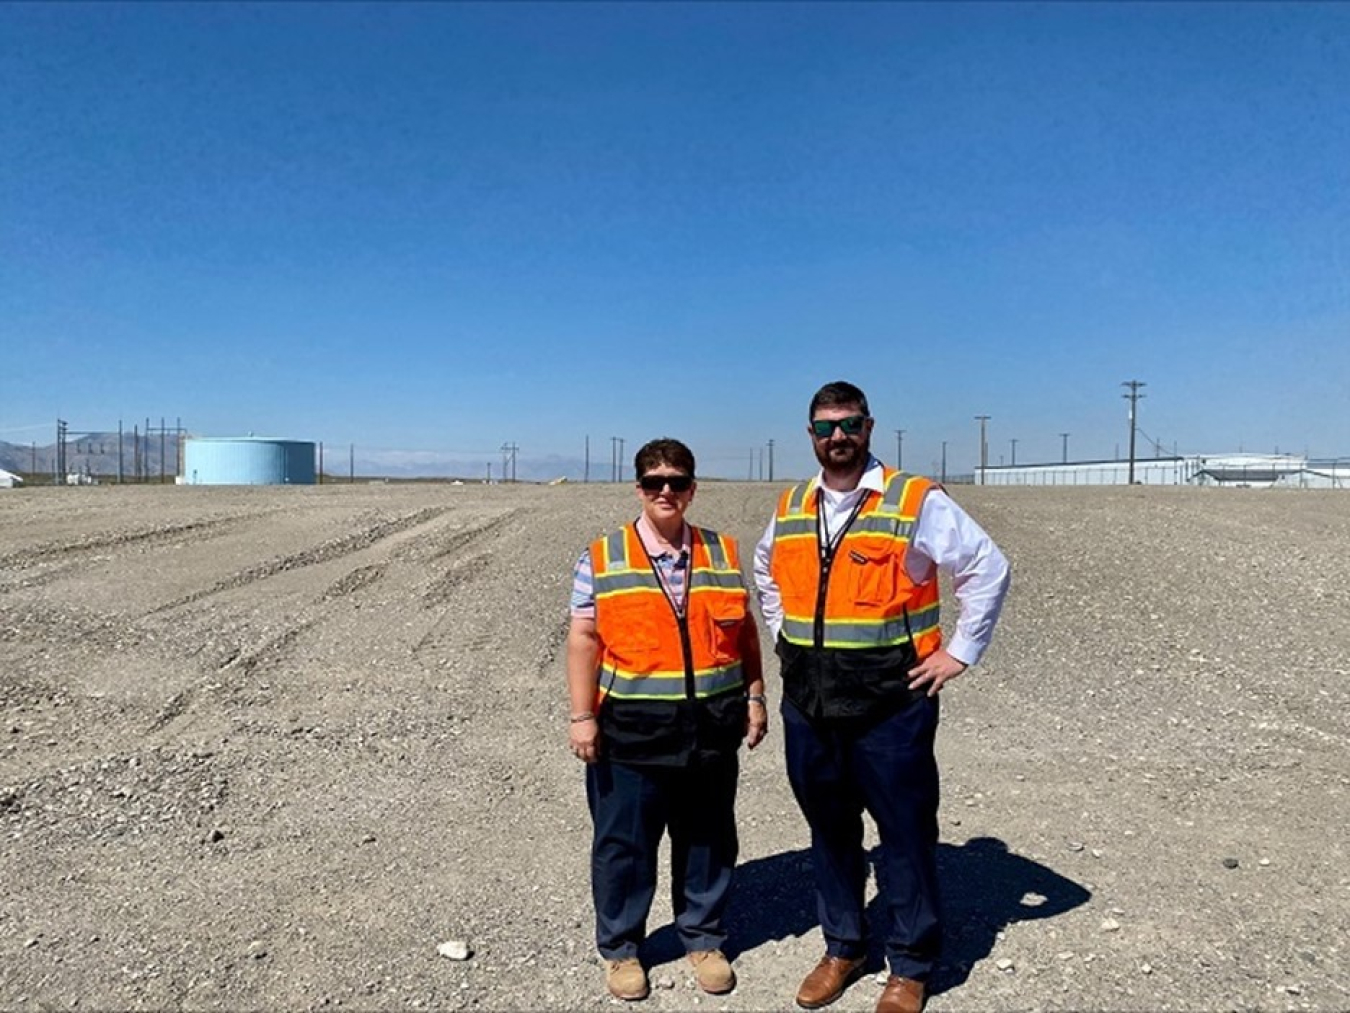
827,551
823,543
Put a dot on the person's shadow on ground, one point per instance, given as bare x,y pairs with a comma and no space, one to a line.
984,888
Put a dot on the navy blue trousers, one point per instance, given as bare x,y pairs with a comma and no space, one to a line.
887,769
631,806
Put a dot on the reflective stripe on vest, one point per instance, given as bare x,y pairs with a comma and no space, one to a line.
878,537
641,654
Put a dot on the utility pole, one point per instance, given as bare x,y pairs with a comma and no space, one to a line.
586,468
1133,397
119,452
60,474
351,463
771,460
984,446
899,450
620,458
752,464
1064,441
944,462
321,462
1013,441
509,461
613,458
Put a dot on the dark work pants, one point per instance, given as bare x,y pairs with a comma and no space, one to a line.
888,769
631,806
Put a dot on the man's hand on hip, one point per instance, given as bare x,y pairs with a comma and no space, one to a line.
934,670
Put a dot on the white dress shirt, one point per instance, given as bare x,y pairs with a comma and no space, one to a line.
944,536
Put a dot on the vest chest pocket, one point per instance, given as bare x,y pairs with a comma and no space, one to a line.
628,626
871,573
726,618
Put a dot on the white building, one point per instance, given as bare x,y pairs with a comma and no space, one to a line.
1231,470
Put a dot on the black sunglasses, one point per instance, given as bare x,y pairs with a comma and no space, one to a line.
677,483
824,428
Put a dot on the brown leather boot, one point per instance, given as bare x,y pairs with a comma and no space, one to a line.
901,995
828,981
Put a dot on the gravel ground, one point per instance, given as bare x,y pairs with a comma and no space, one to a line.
270,748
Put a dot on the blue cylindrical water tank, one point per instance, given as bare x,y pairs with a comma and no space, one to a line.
247,460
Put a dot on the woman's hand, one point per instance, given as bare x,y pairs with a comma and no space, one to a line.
583,738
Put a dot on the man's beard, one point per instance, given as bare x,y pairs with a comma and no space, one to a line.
835,460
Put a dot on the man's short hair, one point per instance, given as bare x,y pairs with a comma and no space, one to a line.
671,453
838,394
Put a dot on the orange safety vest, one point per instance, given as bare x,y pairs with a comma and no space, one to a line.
870,600
641,653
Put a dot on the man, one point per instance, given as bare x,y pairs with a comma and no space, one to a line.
847,581
664,678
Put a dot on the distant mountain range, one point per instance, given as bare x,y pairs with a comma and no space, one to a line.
96,454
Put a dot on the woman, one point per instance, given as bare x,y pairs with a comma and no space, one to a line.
664,677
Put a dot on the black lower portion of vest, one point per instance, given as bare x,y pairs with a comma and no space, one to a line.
672,732
856,684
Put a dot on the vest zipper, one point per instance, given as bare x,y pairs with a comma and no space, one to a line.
818,629
681,615
687,647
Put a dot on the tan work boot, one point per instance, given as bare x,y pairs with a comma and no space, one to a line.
626,979
713,971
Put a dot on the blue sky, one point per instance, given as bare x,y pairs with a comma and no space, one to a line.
436,228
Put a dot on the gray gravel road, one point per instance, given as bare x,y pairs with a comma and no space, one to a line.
267,748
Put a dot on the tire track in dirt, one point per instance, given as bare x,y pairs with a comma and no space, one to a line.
272,651
47,551
353,581
326,552
64,558
244,663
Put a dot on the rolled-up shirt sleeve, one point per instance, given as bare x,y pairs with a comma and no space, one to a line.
582,604
946,536
770,598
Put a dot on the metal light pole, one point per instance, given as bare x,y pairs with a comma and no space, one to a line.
1013,441
1064,440
984,446
899,450
944,463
